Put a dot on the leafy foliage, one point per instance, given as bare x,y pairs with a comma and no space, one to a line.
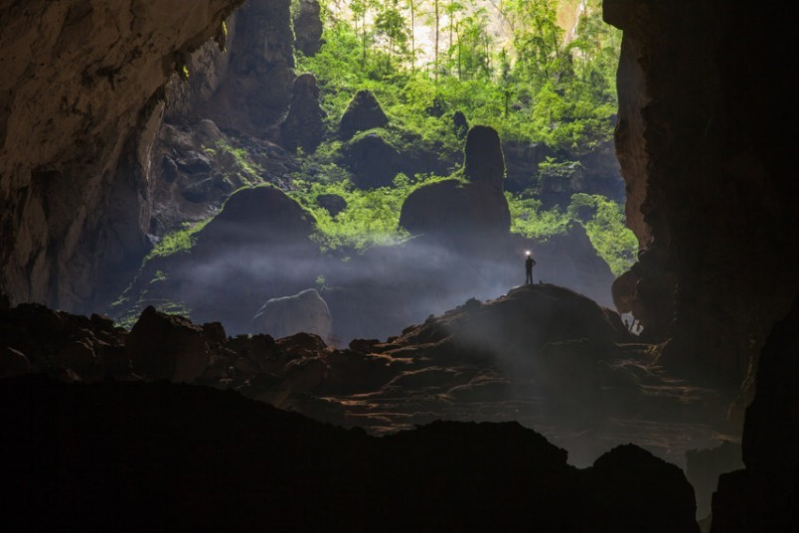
615,243
537,86
529,219
370,218
602,219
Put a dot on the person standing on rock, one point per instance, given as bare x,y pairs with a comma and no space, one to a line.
528,267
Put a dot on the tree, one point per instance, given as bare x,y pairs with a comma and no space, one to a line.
391,24
474,46
360,10
536,37
453,11
412,6
434,18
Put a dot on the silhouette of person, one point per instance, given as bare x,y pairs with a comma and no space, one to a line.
528,267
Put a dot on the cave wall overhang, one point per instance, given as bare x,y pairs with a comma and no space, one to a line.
711,188
81,98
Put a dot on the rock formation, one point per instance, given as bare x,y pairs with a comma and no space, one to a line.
465,212
82,94
363,113
36,339
167,347
610,478
305,311
542,355
256,90
332,203
483,161
303,126
765,496
373,161
259,216
308,27
245,255
459,124
710,186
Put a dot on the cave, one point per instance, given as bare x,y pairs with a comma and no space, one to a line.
415,421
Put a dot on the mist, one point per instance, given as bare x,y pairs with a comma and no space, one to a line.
374,294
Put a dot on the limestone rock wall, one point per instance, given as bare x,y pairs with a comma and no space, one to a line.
81,99
711,188
256,90
207,68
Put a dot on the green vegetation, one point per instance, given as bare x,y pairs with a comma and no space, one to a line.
177,241
615,243
503,64
507,64
602,219
370,218
530,220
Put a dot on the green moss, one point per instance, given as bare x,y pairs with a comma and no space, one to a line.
178,241
371,217
603,220
614,242
530,220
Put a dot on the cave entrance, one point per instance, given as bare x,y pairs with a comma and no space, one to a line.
368,105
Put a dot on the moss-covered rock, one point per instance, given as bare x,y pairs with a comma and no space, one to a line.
464,211
363,113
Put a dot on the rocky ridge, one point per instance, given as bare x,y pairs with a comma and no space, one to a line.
541,355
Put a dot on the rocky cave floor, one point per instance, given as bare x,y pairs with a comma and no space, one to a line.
543,356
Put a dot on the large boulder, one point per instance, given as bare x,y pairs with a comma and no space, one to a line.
516,327
303,127
304,312
162,346
464,211
246,254
256,216
363,113
372,160
332,203
455,210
